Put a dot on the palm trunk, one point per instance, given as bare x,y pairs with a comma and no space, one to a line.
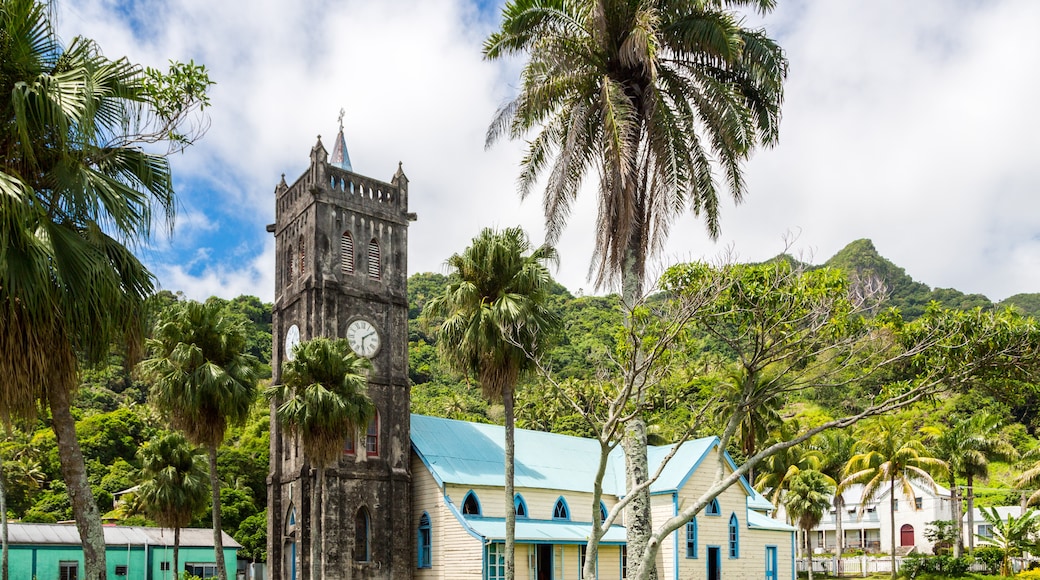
218,540
958,519
507,402
318,517
971,513
808,550
73,470
892,515
176,552
839,513
3,522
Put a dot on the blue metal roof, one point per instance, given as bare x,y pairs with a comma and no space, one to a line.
761,521
535,531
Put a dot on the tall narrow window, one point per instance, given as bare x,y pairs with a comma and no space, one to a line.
713,508
691,538
303,257
346,253
734,537
470,505
372,437
290,259
374,267
361,536
560,511
581,560
602,512
425,556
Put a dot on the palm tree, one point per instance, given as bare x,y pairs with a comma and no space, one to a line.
654,97
75,191
173,485
967,445
779,469
496,323
809,496
322,397
835,451
890,457
756,404
204,381
1012,536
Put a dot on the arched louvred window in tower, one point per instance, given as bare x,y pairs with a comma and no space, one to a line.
303,257
373,260
362,535
346,253
290,257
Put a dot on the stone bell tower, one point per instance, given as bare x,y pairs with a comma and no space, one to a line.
341,242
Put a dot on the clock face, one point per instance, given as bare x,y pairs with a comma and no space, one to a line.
363,338
292,338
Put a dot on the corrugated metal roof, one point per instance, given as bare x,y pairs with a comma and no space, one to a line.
67,534
759,521
529,531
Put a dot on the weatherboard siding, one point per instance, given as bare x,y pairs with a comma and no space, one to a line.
455,554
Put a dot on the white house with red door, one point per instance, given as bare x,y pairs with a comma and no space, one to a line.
868,525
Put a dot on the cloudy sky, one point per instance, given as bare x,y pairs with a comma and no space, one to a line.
905,122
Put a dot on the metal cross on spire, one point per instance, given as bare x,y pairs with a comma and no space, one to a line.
340,157
342,112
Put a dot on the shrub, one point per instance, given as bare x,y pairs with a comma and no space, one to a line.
991,556
918,565
1031,574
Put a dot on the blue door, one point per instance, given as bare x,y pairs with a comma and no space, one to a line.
771,563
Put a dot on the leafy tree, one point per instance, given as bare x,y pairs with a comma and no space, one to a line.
1012,536
77,188
173,484
890,456
494,322
204,381
806,502
322,397
779,470
654,97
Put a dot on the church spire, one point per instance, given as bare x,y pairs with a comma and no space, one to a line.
340,157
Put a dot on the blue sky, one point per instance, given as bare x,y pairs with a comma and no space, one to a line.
909,123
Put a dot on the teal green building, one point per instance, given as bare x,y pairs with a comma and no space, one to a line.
54,552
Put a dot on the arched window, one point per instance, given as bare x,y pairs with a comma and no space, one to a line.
691,538
290,258
713,508
303,257
906,535
561,511
361,536
519,506
734,536
470,505
346,253
602,512
374,266
425,555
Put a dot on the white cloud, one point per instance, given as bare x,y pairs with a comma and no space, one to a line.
905,122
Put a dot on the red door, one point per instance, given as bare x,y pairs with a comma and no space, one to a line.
906,535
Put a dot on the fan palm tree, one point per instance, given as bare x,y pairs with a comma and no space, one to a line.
204,381
835,451
75,191
173,485
967,445
890,457
496,323
806,501
654,97
322,397
1012,536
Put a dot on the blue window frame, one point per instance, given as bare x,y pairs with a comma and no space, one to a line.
560,510
734,536
470,504
713,508
691,538
602,512
425,541
496,562
519,506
